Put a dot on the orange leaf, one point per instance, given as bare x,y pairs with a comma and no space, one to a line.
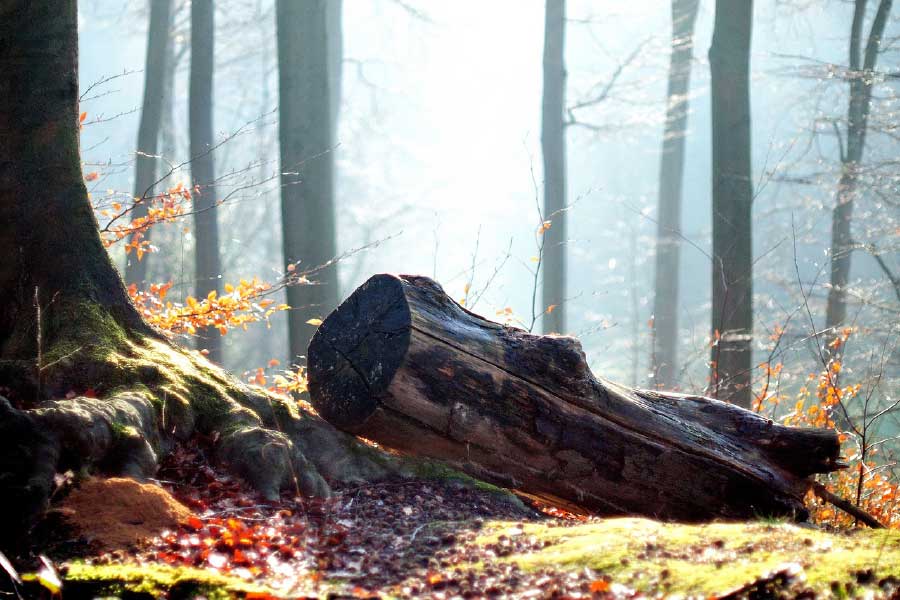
599,585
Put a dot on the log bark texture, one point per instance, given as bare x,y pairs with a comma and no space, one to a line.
401,363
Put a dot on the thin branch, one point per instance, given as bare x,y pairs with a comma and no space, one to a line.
848,507
607,89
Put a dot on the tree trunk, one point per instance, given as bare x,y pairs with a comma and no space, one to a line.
67,324
155,74
732,202
402,364
207,264
336,60
553,147
306,75
862,65
664,359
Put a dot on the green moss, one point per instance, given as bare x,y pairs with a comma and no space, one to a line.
85,328
95,352
157,579
284,411
705,559
428,469
123,432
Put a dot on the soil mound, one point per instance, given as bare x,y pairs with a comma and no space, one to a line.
116,513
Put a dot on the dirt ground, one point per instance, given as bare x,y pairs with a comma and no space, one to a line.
199,530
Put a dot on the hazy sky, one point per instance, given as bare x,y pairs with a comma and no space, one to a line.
440,132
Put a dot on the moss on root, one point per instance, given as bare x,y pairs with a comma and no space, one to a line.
136,395
706,560
429,469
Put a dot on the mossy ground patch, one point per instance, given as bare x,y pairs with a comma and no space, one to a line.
703,559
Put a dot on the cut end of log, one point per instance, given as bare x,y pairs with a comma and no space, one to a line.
356,352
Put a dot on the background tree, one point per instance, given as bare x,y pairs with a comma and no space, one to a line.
664,359
156,71
208,268
553,147
861,75
732,202
306,137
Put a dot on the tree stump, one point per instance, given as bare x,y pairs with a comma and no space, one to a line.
401,363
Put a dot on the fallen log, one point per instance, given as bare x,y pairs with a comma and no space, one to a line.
401,363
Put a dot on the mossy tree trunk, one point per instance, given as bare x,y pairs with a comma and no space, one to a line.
67,324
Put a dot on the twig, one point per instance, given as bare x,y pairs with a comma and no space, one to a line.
848,507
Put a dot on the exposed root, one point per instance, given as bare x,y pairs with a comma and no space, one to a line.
152,394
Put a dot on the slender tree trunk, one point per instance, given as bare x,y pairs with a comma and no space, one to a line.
306,77
664,359
862,65
732,189
553,147
336,59
208,269
155,74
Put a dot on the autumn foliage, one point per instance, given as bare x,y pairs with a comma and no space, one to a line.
825,401
248,301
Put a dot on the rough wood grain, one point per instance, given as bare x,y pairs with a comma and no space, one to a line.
401,363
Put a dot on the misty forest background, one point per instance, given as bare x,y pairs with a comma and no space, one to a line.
438,169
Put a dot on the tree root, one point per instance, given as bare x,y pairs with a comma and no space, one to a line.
153,396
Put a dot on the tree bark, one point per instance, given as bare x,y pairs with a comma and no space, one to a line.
306,77
664,358
401,363
68,326
207,263
553,148
145,160
732,203
862,66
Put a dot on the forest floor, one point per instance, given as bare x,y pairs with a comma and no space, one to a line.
208,536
